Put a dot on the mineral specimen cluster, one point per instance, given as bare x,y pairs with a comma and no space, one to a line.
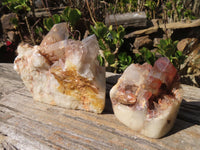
147,98
62,71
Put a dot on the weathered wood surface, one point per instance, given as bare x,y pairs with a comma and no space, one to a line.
27,124
174,25
134,19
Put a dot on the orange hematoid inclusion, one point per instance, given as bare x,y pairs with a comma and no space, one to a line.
71,83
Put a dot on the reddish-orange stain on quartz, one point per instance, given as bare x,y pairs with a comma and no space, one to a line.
71,83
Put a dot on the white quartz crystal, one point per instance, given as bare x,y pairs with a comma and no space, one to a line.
62,71
147,98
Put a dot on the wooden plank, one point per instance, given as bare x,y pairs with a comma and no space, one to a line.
27,124
174,25
135,19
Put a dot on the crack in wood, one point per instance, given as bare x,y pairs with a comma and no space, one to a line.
8,146
8,107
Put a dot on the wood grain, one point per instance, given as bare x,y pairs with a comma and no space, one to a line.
26,124
134,19
174,25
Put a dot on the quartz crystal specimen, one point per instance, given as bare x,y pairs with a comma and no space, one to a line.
62,71
147,99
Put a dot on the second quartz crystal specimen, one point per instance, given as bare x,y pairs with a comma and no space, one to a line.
62,71
147,98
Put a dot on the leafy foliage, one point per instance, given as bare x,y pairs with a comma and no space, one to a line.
151,7
177,10
49,22
110,40
17,5
145,55
124,61
168,48
69,15
123,6
21,8
150,4
38,30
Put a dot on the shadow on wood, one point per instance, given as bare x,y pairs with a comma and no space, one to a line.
188,112
111,80
179,125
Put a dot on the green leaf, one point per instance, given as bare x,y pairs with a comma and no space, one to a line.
124,61
74,16
113,34
147,56
101,60
48,23
110,28
163,43
120,32
121,56
102,45
28,9
56,18
169,5
5,3
111,59
175,43
38,30
106,53
137,55
94,31
101,29
129,59
179,53
18,7
66,14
